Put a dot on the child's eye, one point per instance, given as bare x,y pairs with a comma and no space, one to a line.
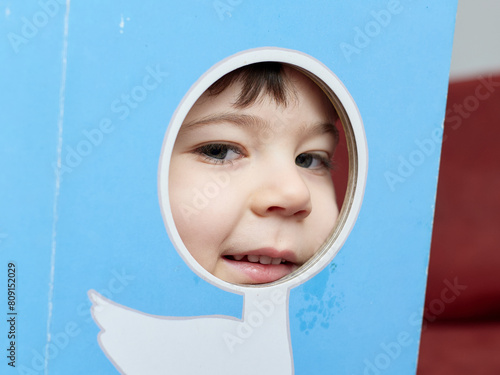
219,153
313,161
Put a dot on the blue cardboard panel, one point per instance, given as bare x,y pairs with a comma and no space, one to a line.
89,90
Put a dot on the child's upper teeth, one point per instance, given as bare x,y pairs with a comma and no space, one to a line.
262,259
253,258
265,259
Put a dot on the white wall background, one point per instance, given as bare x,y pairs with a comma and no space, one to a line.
476,47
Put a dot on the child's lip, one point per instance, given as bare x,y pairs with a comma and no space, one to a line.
262,265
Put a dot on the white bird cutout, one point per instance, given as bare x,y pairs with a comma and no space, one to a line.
139,343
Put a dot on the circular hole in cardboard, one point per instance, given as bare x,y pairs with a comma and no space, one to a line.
351,157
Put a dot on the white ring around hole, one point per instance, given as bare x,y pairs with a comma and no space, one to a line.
227,65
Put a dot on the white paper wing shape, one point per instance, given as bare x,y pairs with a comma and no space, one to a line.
139,343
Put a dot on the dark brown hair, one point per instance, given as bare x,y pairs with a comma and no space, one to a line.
266,77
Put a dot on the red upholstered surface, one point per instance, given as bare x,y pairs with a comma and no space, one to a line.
460,348
340,171
463,292
466,235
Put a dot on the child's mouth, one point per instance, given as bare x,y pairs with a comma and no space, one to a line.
262,259
260,269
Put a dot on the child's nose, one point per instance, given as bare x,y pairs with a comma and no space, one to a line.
284,193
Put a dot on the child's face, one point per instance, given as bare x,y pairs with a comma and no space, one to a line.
250,189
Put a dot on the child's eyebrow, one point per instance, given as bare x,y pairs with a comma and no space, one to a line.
244,120
233,118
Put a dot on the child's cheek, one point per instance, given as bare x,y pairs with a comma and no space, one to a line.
203,216
199,199
325,211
